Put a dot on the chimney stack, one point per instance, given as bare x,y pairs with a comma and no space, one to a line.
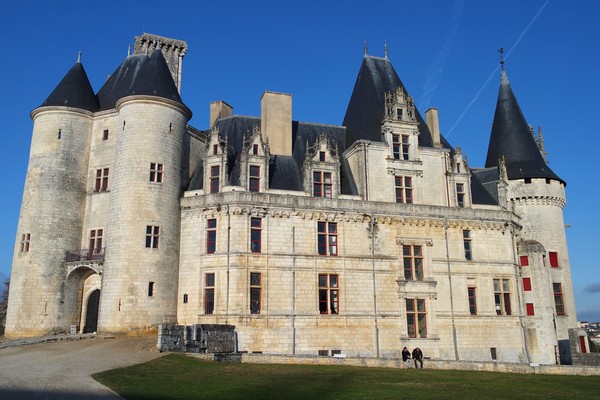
276,122
219,109
433,124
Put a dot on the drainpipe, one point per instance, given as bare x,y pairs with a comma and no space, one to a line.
293,290
374,283
228,250
451,295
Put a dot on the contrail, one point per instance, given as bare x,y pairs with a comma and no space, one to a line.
434,71
494,72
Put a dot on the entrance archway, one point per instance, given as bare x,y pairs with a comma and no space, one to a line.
91,313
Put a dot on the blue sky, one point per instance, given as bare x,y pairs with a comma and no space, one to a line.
445,52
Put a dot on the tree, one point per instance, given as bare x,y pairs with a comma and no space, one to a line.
4,306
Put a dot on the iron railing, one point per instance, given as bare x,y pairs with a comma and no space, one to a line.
85,255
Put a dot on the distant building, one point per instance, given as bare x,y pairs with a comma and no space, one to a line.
361,238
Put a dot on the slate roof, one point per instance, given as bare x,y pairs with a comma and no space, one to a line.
285,172
139,74
512,139
484,185
366,109
74,90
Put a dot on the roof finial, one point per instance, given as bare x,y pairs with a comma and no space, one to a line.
366,48
79,57
504,78
501,51
385,53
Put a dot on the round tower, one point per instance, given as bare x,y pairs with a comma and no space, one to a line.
52,208
537,195
150,170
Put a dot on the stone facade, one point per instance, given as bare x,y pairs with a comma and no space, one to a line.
380,245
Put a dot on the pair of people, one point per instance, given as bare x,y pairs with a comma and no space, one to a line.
416,357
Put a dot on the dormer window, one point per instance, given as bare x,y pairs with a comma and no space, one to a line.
215,173
255,149
460,194
322,156
399,114
400,147
254,179
322,184
215,149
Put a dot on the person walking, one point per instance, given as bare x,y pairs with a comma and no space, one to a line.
417,356
406,357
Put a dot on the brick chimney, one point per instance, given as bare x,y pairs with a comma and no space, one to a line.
276,122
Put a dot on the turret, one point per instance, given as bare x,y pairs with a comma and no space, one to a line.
537,195
150,170
52,209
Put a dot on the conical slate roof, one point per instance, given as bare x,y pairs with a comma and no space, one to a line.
74,90
511,138
139,75
366,109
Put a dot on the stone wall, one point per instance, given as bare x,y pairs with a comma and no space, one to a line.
579,357
199,338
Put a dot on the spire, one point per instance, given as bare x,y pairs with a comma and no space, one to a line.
79,57
385,52
365,48
512,139
74,90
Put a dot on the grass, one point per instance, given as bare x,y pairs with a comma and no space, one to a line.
177,376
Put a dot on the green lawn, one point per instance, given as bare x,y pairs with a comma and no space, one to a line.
177,376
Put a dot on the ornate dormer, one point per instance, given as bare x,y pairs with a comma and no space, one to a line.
322,169
254,162
215,162
399,126
461,177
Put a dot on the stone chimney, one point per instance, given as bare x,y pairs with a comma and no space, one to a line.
433,124
173,50
219,109
276,122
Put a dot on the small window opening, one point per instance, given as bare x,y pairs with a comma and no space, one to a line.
547,181
527,180
170,127
322,156
150,289
493,353
105,134
185,298
123,125
59,133
323,353
215,149
255,149
334,352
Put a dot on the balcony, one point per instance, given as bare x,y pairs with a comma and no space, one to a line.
85,255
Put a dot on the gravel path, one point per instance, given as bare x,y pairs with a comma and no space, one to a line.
62,369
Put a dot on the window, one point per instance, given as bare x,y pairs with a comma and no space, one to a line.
460,194
105,134
185,298
322,156
254,183
327,238
322,184
416,318
400,147
209,293
255,149
152,235
25,240
403,189
413,262
524,261
255,235
472,300
215,149
156,172
95,242
399,114
527,180
530,309
553,259
101,180
215,173
558,299
328,294
467,245
527,284
211,236
255,289
150,289
502,296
